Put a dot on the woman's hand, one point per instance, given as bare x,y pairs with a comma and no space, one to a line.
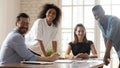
82,55
54,57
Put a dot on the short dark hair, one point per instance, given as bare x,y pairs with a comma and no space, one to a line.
22,15
46,7
96,7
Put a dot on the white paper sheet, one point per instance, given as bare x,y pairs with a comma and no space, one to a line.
36,62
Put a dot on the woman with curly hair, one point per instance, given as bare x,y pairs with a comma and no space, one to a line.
43,35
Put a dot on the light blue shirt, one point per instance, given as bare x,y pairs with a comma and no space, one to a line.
13,49
112,32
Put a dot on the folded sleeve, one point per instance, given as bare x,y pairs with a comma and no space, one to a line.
21,49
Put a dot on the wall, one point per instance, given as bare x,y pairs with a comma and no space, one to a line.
8,11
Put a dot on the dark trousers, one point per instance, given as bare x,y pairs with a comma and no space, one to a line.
119,63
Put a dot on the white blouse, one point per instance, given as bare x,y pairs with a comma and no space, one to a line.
41,31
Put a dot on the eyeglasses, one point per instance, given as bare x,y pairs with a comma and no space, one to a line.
24,23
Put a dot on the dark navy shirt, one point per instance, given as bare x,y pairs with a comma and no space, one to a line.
81,47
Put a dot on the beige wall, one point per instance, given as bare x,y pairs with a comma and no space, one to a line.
8,11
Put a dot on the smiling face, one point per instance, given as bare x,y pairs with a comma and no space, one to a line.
80,32
98,14
50,15
23,25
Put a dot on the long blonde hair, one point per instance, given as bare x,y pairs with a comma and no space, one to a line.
75,36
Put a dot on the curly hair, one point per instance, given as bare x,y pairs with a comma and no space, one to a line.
46,7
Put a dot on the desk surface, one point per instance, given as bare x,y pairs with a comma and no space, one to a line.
75,64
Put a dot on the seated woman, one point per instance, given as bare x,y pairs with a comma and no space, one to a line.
80,47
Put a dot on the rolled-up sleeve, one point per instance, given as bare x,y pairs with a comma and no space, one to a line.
21,49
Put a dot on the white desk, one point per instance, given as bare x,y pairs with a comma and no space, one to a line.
75,64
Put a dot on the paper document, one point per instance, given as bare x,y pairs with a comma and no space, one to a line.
63,61
36,62
90,60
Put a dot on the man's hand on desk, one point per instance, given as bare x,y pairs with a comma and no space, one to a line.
106,60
